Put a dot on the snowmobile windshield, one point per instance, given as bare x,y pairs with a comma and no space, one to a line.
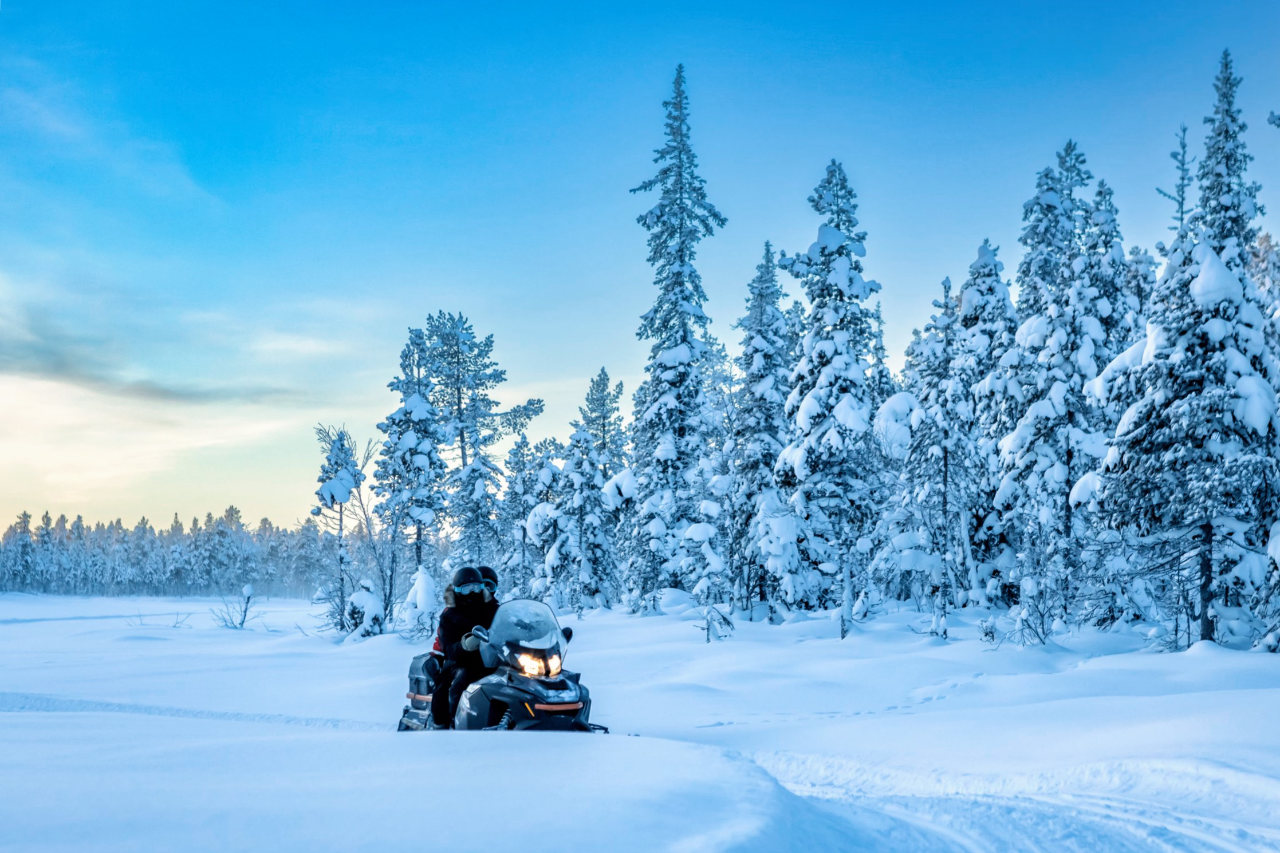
526,636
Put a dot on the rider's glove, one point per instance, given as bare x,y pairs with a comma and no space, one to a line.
470,642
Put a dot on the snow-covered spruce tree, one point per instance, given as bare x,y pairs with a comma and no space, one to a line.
409,476
668,444
1107,272
230,553
928,549
1140,282
546,529
19,554
1228,199
797,318
1264,269
580,558
882,385
463,376
519,555
1054,442
719,393
1207,374
713,576
880,379
759,525
601,417
1180,195
340,475
988,324
829,461
1047,237
545,525
1191,474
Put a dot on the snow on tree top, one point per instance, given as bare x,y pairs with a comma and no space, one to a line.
620,488
830,239
700,531
893,423
676,355
1215,283
337,490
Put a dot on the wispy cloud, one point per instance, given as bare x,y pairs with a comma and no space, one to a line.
62,121
36,345
290,345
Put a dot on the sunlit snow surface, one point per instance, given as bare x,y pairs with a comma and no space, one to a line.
135,724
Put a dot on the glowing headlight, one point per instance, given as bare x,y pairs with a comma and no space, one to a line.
553,665
532,665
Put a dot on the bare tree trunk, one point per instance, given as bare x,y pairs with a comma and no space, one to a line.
846,597
1206,579
342,573
417,546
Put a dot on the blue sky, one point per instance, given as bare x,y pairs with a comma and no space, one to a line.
217,223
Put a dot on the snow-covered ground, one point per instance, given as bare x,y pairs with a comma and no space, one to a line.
136,724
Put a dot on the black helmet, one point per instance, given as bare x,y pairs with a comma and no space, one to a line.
490,577
466,576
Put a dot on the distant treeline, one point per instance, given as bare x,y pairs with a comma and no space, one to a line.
216,556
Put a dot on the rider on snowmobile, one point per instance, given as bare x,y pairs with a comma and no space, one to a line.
435,664
473,604
490,580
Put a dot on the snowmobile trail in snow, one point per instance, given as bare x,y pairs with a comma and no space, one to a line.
1182,806
23,702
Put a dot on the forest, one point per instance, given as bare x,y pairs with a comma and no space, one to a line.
1104,449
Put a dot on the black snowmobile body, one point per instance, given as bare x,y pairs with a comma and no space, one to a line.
528,689
424,670
509,700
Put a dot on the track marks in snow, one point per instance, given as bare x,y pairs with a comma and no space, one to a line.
1130,805
41,702
34,619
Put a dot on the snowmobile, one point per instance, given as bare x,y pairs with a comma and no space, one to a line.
528,689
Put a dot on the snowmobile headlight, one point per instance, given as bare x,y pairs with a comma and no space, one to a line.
553,665
532,665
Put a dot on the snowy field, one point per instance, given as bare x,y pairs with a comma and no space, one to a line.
135,724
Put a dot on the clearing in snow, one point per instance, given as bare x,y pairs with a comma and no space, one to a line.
136,724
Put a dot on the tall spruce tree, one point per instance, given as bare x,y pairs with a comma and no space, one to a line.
1191,475
341,474
1047,237
1107,272
1140,282
519,555
601,418
409,476
1264,268
797,317
988,323
667,436
829,462
928,544
1180,195
464,375
1228,199
883,385
1055,440
584,557
756,509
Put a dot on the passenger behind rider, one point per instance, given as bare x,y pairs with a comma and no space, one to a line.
473,603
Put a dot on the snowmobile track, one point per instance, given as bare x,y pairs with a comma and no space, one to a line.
40,702
1133,806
